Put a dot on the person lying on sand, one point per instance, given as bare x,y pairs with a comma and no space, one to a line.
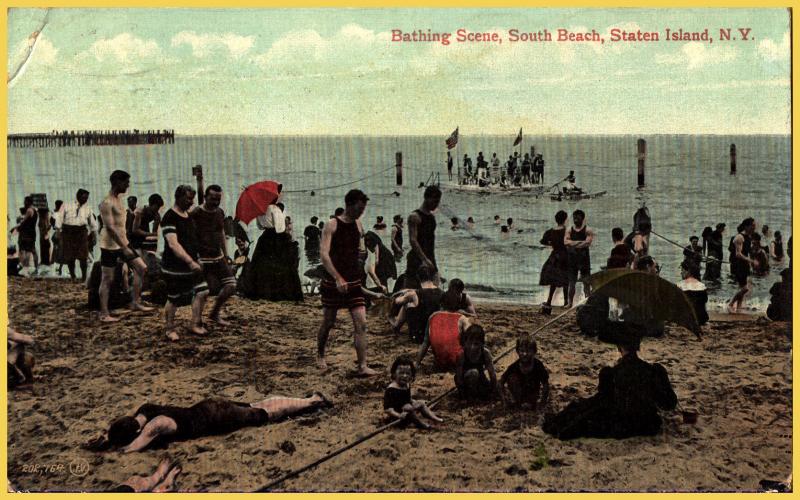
162,480
207,418
472,365
526,379
629,396
397,402
20,363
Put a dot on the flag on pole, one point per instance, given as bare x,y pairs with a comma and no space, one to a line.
452,140
519,138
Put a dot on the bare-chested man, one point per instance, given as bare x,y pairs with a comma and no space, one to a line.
342,240
114,246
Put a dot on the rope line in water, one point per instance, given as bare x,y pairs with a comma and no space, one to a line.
340,185
379,430
703,259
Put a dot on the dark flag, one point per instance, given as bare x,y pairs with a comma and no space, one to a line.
452,140
519,138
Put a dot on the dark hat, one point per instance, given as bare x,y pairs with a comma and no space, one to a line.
622,333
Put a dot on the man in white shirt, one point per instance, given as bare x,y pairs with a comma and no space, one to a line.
75,221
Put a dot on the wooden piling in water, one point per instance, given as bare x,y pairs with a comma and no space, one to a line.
733,159
399,167
642,153
533,152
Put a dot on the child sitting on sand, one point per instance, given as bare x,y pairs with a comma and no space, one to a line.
397,402
527,378
473,364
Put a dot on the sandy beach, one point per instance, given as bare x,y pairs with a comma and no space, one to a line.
738,380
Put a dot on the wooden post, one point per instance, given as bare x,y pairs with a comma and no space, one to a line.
533,152
733,159
642,150
399,167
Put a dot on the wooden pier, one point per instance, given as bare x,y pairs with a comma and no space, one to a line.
70,138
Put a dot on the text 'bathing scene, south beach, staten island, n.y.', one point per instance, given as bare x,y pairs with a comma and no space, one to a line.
399,250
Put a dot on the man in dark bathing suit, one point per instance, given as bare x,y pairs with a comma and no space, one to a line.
740,262
342,240
212,249
422,237
164,424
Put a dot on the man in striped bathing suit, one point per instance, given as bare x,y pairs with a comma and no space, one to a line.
342,240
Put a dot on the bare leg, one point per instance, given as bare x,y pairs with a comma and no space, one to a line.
223,297
571,293
359,316
168,484
169,316
142,484
328,320
279,407
423,408
550,295
197,313
84,267
397,323
106,281
139,269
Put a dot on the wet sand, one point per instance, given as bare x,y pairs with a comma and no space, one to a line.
738,380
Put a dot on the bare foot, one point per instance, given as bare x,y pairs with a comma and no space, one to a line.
169,482
140,308
731,309
437,419
321,364
366,371
218,320
198,330
173,335
108,319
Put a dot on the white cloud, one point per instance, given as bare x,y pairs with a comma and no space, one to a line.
772,51
205,44
124,48
696,55
353,50
44,51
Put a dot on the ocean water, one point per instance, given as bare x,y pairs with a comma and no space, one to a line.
688,187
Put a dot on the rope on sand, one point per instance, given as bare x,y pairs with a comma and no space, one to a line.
379,430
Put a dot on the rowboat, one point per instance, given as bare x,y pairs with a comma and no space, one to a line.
574,196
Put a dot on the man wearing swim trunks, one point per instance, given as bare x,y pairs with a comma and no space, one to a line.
114,246
578,240
212,249
741,261
185,283
342,240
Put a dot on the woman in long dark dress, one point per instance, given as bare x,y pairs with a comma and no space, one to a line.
714,252
554,270
273,269
629,396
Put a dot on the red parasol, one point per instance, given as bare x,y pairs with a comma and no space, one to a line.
255,199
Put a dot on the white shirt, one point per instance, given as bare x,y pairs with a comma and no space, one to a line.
72,215
273,219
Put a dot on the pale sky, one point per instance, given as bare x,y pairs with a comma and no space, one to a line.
271,72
